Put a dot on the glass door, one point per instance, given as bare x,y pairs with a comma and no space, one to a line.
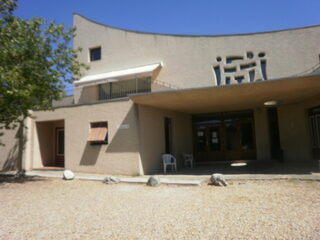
224,136
207,142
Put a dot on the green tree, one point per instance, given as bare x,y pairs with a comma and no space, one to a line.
36,61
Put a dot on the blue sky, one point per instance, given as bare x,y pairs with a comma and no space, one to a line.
181,16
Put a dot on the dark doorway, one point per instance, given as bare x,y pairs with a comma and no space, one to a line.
314,126
275,145
168,134
59,150
51,143
224,136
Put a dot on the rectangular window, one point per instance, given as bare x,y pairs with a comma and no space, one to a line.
98,133
95,54
121,89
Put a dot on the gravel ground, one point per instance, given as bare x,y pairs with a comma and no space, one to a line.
56,209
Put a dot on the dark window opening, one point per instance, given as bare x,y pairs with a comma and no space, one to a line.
168,134
314,126
247,136
95,54
249,65
239,79
60,139
250,55
264,69
251,75
231,136
230,70
218,75
122,88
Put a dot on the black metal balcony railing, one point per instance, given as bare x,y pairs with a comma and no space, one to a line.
120,89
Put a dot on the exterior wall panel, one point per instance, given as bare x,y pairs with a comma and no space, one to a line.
262,134
189,60
295,132
119,156
152,139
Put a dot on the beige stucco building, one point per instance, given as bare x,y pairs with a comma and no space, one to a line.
222,98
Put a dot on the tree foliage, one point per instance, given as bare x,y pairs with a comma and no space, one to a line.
36,61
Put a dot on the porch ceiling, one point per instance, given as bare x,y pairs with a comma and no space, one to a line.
233,97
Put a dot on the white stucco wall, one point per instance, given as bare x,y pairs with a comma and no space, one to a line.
189,60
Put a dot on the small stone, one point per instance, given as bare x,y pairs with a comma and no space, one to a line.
111,180
68,175
20,174
153,181
218,179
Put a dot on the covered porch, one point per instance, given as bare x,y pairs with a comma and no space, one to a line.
252,168
278,132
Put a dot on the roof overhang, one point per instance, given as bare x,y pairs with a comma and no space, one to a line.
233,97
135,72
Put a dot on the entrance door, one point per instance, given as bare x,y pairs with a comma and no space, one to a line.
59,147
239,140
229,136
314,121
208,143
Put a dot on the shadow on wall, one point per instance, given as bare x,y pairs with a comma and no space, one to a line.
90,155
14,158
125,138
88,94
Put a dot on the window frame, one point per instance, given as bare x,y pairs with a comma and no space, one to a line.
96,125
91,54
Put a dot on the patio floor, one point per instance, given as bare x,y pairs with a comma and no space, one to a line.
251,167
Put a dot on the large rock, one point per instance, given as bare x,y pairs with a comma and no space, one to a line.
68,175
111,180
153,181
218,179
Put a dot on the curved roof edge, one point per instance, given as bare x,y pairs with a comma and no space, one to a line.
190,35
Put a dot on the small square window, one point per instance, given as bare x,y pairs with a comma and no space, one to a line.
98,133
95,54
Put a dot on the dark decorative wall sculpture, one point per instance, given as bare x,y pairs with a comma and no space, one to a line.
240,69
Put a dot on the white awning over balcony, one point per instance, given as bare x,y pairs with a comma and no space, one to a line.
124,74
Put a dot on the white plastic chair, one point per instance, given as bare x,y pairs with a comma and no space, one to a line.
188,159
169,160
